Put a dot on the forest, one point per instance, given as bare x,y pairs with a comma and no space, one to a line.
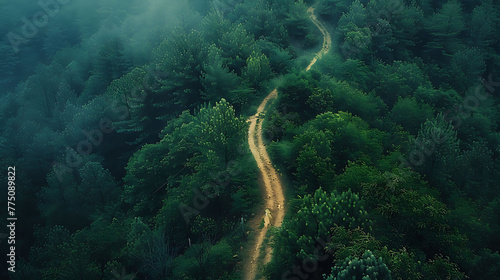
127,139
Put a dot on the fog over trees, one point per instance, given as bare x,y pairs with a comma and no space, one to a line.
127,123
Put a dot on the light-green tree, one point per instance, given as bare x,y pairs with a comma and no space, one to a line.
350,138
311,227
237,45
314,163
357,42
257,70
366,268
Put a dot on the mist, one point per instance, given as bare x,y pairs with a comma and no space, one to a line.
249,139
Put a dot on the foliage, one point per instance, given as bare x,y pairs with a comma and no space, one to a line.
369,267
311,227
397,124
445,26
435,148
410,115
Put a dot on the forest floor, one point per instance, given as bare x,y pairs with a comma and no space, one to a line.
274,211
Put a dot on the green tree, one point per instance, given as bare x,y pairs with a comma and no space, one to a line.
76,198
218,81
297,21
341,96
350,138
214,26
481,26
295,91
151,249
221,131
466,66
279,58
406,23
263,22
434,150
311,227
416,217
203,261
357,43
437,98
257,70
60,257
237,46
408,113
333,9
445,28
368,267
314,163
111,64
192,150
181,58
473,173
442,268
357,14
135,106
156,167
401,79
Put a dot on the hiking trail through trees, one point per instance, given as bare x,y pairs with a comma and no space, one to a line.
274,210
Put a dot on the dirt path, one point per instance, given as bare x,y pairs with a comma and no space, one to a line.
274,211
327,39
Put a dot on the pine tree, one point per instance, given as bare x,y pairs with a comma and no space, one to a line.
257,70
366,268
445,28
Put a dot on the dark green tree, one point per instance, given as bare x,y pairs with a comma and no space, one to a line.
152,251
350,138
482,25
445,27
111,64
219,82
434,151
408,113
467,66
181,58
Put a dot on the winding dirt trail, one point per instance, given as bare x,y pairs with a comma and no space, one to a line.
274,198
327,39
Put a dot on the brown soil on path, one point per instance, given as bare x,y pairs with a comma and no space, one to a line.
327,39
274,197
274,211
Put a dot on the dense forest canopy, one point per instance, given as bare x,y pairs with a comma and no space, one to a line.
126,122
